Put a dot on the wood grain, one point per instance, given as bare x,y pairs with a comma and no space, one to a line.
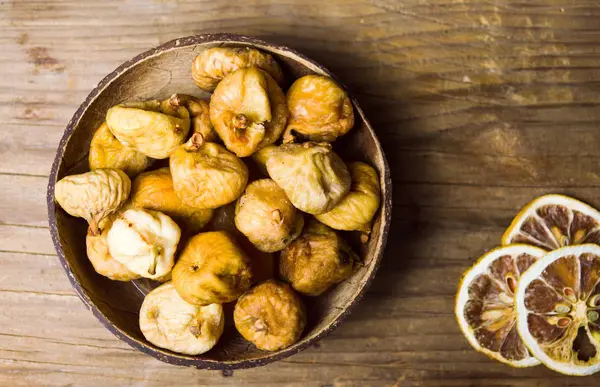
480,107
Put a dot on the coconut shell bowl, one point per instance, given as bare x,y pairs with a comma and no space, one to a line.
157,74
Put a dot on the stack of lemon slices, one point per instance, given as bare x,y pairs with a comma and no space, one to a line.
536,299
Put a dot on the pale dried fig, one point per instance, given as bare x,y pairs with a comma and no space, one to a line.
313,177
248,111
154,128
199,115
144,241
212,65
318,259
153,190
108,152
206,175
93,195
320,110
356,209
169,322
212,268
99,256
266,217
261,156
270,315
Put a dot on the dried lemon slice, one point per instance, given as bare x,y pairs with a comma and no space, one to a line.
558,309
553,221
485,304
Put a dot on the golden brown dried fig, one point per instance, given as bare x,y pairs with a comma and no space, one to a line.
153,190
270,315
266,217
261,156
319,110
214,64
212,269
206,175
99,256
169,322
107,152
313,177
144,241
93,195
262,263
248,111
318,259
356,209
154,128
199,115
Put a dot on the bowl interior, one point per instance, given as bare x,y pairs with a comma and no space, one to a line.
158,74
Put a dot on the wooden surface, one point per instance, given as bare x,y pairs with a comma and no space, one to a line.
480,105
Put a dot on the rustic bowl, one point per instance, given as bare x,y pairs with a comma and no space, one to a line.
158,73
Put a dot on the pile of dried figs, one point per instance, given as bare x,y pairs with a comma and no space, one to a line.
203,224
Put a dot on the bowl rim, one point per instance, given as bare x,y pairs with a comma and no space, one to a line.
168,356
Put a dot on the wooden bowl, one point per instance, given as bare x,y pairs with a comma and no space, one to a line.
156,74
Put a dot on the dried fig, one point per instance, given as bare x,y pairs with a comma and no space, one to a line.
199,115
270,315
154,128
153,190
169,322
318,259
102,261
262,263
313,177
212,269
107,152
266,217
93,195
248,111
144,241
320,110
206,175
261,156
212,65
356,209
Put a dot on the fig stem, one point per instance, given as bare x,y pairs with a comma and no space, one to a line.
154,262
176,100
195,142
277,216
239,122
94,229
195,330
259,325
364,237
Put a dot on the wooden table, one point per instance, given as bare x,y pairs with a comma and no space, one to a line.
480,105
